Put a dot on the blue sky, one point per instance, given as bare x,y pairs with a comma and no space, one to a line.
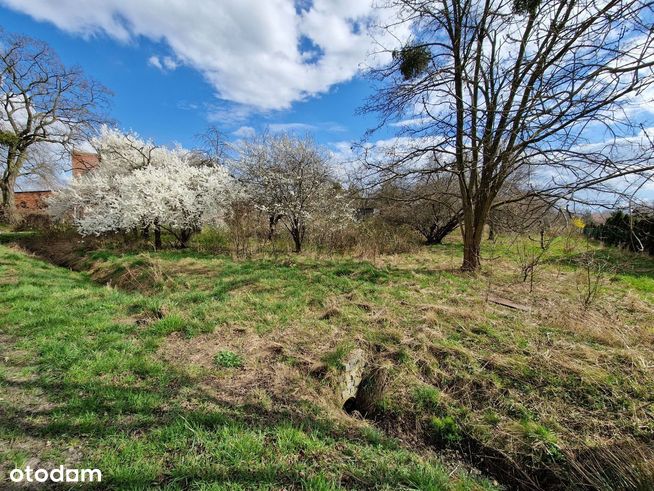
176,66
175,105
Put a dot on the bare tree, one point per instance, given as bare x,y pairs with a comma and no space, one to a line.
430,206
488,88
41,102
213,146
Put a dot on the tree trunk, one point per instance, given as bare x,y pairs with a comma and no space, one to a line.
471,255
491,231
184,237
272,223
473,231
157,236
437,234
296,229
430,234
146,232
297,241
9,213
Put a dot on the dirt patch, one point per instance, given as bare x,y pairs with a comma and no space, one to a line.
65,250
269,369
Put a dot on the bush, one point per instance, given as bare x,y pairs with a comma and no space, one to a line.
367,237
212,240
375,236
34,221
332,240
635,232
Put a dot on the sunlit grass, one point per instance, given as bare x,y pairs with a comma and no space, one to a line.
82,372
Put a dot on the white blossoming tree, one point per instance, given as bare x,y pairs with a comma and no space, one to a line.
139,185
289,179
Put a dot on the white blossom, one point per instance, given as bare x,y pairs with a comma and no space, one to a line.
138,185
291,181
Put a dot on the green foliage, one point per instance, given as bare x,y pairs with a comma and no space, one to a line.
404,356
414,60
228,359
491,417
373,435
542,438
7,138
445,430
211,240
635,232
169,324
526,6
427,398
336,359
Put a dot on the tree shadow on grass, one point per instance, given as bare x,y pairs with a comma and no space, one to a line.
14,237
205,441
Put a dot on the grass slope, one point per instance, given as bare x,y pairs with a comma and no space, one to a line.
83,383
558,393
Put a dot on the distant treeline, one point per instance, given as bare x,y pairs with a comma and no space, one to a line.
633,231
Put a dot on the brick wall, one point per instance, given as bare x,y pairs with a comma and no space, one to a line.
34,201
83,162
31,201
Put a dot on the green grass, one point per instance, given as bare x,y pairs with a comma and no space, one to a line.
228,359
192,367
427,398
78,372
7,236
445,430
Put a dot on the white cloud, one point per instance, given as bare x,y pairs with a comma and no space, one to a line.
186,105
164,64
228,114
245,132
169,63
262,54
411,122
334,127
155,62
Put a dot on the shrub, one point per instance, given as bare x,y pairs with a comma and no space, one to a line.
635,231
213,240
34,221
591,276
374,237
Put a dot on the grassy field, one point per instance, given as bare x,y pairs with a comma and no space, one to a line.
186,370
